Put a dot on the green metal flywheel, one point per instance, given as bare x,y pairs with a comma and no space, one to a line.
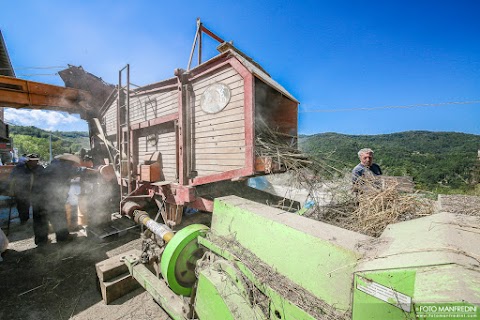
179,258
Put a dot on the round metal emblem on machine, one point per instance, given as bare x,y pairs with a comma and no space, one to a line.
215,98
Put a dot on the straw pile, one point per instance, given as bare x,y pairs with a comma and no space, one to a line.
372,209
368,209
266,275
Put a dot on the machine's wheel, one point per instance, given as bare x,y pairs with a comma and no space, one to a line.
179,257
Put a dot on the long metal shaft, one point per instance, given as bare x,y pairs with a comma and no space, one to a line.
159,229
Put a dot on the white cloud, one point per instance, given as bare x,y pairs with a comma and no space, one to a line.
47,120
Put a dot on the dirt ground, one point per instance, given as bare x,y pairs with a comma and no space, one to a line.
59,281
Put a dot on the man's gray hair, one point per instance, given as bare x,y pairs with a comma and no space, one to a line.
364,150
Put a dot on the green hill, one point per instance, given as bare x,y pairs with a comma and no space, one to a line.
35,140
436,160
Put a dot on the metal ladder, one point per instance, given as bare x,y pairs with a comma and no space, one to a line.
123,132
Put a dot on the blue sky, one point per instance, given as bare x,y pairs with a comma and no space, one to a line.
340,56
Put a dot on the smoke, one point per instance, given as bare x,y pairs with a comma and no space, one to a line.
47,120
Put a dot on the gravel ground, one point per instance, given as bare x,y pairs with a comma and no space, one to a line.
59,281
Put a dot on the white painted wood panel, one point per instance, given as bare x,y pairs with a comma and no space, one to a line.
218,140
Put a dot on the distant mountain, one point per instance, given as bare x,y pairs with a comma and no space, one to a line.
436,160
34,140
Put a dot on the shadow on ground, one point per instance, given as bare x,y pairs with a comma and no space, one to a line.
59,281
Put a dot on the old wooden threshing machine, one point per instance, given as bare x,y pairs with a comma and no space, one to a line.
190,141
181,140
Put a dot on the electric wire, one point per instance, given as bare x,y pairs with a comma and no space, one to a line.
36,68
393,107
37,74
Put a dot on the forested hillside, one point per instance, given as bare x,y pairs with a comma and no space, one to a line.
34,140
436,160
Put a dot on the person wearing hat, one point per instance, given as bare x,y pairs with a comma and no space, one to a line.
22,179
50,194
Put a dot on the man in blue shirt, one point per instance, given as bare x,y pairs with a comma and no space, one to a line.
366,169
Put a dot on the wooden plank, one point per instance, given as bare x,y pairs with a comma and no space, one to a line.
219,150
158,87
113,267
220,156
235,121
110,118
165,152
216,76
221,138
206,173
118,287
115,281
157,105
229,116
209,145
164,146
235,103
170,175
167,161
158,97
233,82
206,123
214,168
234,109
201,163
225,69
161,112
159,121
165,101
214,133
234,98
163,140
228,77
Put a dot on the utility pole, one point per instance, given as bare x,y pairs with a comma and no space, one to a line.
50,148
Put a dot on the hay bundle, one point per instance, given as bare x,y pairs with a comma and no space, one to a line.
376,210
368,208
371,211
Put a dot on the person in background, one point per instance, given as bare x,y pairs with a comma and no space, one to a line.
50,195
22,178
365,170
22,158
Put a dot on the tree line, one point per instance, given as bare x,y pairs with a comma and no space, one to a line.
437,161
29,139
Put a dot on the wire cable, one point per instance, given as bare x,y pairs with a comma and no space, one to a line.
36,68
393,107
37,74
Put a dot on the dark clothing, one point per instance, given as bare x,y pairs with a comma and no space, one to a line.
23,207
50,195
22,180
361,174
360,170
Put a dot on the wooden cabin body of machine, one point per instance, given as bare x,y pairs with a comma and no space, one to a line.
168,139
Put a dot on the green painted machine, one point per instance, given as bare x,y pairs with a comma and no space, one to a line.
259,262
